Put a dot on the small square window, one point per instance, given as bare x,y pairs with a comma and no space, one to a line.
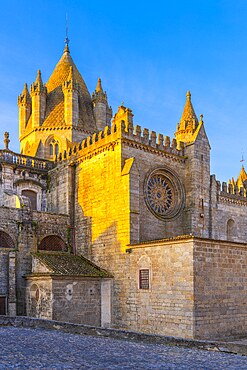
144,279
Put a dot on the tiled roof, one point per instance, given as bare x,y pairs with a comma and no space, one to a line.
68,264
55,97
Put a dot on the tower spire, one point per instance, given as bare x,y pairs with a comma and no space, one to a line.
188,122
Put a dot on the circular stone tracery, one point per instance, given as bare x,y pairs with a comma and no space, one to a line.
164,193
159,194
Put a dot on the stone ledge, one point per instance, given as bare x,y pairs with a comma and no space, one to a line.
29,322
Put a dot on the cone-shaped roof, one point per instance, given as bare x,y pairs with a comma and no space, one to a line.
188,112
55,98
62,71
99,86
38,78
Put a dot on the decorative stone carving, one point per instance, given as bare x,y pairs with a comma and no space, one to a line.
164,193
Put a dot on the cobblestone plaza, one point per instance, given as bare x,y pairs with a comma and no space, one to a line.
22,348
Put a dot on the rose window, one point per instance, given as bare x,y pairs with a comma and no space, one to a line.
164,194
159,194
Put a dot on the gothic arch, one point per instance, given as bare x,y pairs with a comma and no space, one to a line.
53,146
6,241
52,243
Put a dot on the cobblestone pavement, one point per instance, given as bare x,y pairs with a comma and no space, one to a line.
22,348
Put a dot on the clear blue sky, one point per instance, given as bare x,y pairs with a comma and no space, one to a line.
148,54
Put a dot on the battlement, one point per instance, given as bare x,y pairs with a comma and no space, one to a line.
128,133
7,156
228,190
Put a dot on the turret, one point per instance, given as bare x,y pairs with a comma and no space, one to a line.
25,108
71,101
102,112
123,114
38,95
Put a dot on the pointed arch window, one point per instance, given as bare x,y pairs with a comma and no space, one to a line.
53,147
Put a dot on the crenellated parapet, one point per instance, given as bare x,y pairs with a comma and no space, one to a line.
127,134
229,193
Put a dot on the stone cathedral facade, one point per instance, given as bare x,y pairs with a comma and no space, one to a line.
105,223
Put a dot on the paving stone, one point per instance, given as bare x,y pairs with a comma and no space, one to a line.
23,348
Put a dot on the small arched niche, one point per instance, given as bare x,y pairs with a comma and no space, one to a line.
231,229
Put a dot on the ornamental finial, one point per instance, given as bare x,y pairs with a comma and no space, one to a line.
188,95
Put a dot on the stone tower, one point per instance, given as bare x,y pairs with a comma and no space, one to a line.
197,180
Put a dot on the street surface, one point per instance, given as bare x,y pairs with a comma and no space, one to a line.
22,348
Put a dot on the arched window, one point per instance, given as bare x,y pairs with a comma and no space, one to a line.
52,243
32,195
6,241
230,229
53,147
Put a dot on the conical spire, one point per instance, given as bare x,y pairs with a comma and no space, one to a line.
99,86
24,97
38,78
188,113
25,89
188,123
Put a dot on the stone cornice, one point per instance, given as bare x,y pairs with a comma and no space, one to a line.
147,148
234,199
55,128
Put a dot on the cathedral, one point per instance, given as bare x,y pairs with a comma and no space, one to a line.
105,223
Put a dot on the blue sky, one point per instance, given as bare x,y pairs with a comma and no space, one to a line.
147,55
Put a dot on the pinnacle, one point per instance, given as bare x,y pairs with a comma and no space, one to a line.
99,86
38,78
188,95
188,113
25,89
71,74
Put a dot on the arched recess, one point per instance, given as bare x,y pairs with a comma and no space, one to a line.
32,195
52,243
6,241
230,229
